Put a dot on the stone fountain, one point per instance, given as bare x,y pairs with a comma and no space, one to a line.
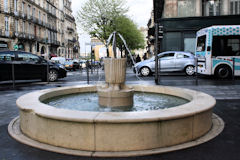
115,93
115,134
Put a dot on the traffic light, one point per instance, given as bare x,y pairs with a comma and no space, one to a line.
160,32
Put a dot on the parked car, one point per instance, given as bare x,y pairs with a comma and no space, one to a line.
60,60
71,65
169,61
82,63
28,66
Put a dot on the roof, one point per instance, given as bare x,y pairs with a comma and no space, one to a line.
221,30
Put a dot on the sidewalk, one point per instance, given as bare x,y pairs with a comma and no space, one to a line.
223,147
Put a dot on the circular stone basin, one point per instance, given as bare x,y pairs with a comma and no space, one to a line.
115,131
89,102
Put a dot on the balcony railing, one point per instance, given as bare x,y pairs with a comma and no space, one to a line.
30,17
15,34
7,34
22,35
23,15
70,29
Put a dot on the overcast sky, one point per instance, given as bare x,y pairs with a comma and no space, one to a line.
139,12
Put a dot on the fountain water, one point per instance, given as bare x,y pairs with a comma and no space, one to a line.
115,93
94,133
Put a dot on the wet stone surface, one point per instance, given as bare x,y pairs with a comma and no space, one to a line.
224,147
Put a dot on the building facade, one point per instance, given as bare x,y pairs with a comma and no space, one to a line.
181,19
30,25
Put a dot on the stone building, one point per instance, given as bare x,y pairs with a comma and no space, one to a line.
181,19
35,26
70,31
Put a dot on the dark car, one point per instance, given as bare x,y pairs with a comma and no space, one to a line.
71,65
28,66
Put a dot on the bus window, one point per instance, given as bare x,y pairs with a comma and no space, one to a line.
201,43
226,46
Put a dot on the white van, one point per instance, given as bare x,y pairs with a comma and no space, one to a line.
218,51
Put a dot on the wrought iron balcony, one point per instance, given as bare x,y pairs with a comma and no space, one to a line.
70,29
30,17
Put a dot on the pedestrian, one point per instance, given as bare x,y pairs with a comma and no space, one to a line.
138,59
145,56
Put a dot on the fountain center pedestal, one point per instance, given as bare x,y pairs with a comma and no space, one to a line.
115,93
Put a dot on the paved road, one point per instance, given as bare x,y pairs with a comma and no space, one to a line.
224,147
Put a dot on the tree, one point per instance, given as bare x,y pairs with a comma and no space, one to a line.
97,17
128,29
101,17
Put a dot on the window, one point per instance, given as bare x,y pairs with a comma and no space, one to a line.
15,5
39,15
167,56
201,43
211,7
23,4
226,46
43,17
28,57
33,12
5,5
189,44
180,55
234,6
29,28
173,41
29,10
23,27
6,24
39,32
186,8
16,25
6,57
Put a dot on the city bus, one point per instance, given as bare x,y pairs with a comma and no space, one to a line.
218,51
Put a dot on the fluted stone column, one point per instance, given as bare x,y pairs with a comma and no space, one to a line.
198,8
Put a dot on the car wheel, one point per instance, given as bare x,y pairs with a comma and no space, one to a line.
53,75
190,70
145,71
223,72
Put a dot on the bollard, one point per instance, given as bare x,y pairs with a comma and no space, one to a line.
87,67
159,70
13,75
81,67
196,71
233,71
47,72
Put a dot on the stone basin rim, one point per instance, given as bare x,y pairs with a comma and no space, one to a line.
32,102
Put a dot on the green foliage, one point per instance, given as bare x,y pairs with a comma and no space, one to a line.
97,17
128,29
101,17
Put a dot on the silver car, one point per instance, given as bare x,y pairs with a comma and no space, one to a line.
169,61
